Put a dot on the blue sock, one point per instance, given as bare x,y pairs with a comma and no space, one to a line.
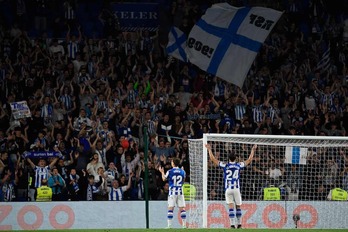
239,215
231,215
183,214
170,217
170,214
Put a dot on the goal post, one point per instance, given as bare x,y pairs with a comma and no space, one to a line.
288,163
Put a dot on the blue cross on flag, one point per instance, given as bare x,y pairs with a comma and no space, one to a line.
176,44
226,40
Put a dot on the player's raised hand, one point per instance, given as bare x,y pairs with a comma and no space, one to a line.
208,146
254,147
161,169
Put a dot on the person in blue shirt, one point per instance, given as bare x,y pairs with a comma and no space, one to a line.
176,177
231,182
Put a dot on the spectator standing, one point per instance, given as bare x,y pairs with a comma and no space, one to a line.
115,193
7,186
56,48
92,189
3,161
40,16
129,164
70,12
161,149
164,193
73,43
57,184
42,171
94,164
112,172
44,193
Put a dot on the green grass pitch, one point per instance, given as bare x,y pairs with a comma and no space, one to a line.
196,230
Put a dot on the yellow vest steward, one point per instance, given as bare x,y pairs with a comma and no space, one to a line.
189,191
271,194
339,194
44,193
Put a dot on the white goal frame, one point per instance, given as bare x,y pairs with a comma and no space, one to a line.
281,140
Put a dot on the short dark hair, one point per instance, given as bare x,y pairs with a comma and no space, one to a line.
44,182
176,161
232,157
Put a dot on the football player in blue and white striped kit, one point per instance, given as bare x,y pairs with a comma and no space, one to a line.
176,177
231,182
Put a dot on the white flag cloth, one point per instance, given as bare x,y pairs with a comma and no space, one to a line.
296,155
176,44
225,41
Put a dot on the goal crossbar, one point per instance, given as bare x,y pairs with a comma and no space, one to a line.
199,156
280,140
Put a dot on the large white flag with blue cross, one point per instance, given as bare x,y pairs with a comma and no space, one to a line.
176,44
226,40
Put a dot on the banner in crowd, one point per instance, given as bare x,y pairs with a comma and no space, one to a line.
226,40
135,15
176,44
20,110
204,116
41,154
72,215
296,155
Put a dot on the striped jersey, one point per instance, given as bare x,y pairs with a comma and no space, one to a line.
117,194
67,100
239,111
257,113
40,174
72,48
231,174
176,178
46,110
7,191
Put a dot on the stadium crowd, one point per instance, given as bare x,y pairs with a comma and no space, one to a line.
92,100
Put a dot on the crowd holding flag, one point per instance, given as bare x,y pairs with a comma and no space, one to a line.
226,40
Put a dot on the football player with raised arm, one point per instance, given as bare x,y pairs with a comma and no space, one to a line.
176,177
231,182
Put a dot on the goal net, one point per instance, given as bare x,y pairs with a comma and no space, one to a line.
302,169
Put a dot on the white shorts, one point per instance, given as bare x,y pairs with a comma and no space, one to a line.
233,196
176,200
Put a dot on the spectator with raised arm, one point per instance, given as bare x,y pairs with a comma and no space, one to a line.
116,192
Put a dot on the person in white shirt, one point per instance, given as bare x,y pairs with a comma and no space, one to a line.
275,173
94,165
56,48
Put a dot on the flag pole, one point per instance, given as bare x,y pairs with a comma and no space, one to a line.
146,182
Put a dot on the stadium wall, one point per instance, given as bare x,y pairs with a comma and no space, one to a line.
108,215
